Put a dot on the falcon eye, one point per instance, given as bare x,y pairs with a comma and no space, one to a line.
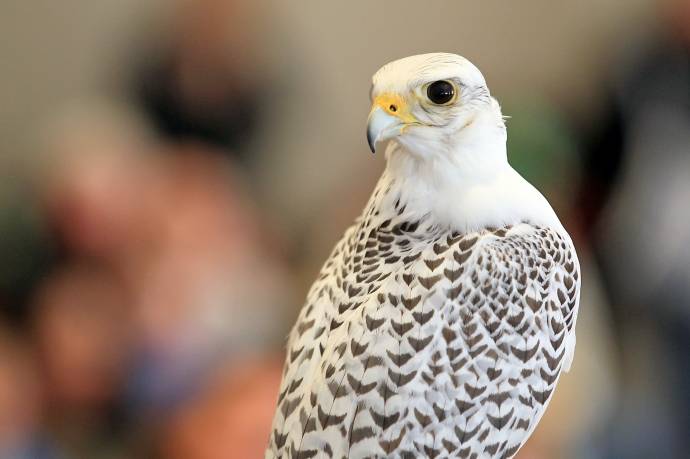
440,92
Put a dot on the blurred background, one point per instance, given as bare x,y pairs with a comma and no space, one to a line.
174,172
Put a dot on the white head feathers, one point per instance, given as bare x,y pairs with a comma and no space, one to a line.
426,68
447,151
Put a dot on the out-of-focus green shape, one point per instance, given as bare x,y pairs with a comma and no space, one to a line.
542,149
26,250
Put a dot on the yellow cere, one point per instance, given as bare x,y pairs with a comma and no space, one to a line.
394,105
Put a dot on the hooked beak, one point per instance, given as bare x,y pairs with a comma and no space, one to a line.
381,127
389,116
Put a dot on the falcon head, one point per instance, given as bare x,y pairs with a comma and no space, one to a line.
430,103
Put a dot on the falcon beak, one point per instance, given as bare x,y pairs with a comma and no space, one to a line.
388,117
381,127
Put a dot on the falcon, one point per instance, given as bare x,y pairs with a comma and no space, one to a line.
441,322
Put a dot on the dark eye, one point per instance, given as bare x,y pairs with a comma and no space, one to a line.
440,92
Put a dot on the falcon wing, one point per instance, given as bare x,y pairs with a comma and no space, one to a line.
443,348
510,331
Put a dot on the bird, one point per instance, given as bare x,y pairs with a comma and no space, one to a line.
442,320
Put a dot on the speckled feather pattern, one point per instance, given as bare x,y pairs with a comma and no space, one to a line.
421,342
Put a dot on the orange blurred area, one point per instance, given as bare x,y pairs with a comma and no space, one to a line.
81,336
172,175
231,420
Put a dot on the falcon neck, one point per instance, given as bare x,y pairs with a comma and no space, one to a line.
462,191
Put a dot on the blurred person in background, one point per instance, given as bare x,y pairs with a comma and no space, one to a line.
22,435
82,339
635,201
180,284
159,293
199,79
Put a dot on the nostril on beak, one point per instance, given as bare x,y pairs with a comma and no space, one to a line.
393,108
